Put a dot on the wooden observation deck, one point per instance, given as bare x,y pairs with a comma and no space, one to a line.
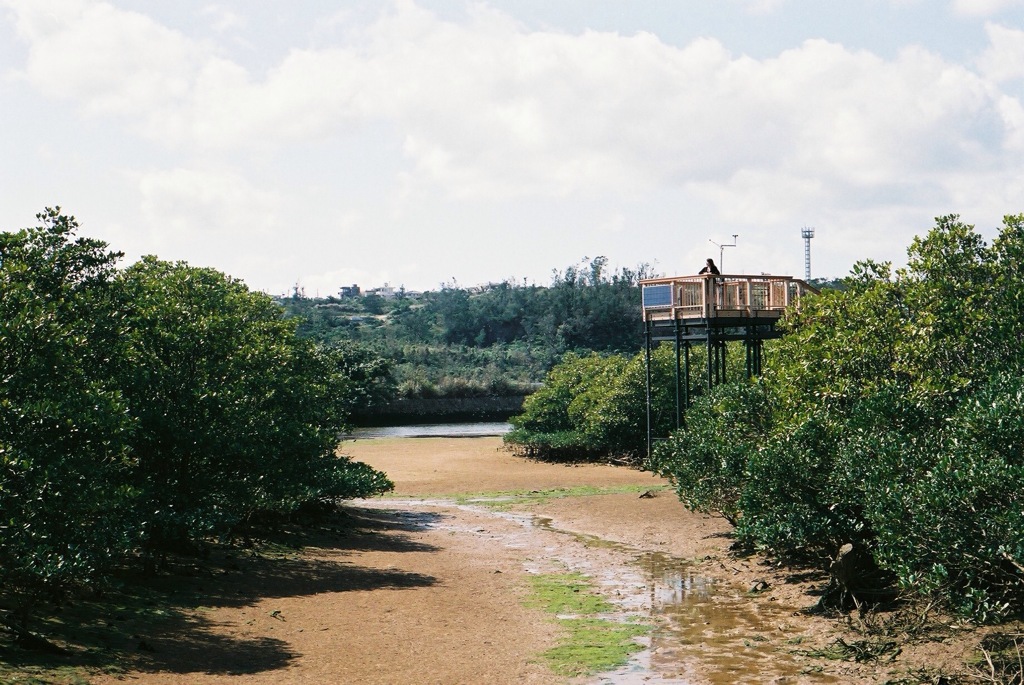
712,310
726,301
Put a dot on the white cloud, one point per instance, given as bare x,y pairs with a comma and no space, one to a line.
489,109
223,19
200,204
750,197
108,60
762,6
1004,58
484,109
984,8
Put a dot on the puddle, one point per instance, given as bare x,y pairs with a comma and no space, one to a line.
713,627
735,639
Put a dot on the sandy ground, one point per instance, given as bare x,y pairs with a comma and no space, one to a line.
418,589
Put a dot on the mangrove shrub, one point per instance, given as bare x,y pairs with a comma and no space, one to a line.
151,407
895,424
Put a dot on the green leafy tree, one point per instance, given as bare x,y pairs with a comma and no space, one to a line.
64,425
594,406
237,415
948,283
546,426
895,425
708,461
476,336
148,407
1005,345
373,304
947,505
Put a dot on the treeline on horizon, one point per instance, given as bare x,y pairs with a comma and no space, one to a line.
147,409
888,425
500,339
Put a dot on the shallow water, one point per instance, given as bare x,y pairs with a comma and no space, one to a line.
716,629
433,430
735,639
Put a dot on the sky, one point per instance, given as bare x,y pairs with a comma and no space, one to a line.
422,143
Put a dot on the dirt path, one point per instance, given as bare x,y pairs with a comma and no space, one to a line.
421,588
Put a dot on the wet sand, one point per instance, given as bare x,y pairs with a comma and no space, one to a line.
420,588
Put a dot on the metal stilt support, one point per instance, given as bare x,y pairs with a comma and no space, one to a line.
647,360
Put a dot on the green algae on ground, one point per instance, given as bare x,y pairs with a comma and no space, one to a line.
591,644
504,499
594,645
566,593
35,675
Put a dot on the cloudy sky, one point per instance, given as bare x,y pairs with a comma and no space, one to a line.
421,142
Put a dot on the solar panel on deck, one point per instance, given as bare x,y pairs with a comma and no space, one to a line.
657,296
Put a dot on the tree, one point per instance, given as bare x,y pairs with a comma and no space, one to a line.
708,461
64,425
594,407
895,425
149,407
475,336
237,414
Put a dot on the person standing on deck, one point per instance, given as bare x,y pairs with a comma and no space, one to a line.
710,268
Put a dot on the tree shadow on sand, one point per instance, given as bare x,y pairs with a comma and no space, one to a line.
162,623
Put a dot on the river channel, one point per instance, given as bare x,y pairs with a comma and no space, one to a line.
433,430
658,564
698,624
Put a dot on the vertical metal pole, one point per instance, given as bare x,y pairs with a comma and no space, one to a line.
711,360
679,401
746,350
748,342
686,386
717,363
721,344
647,359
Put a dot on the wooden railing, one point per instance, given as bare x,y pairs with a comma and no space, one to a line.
707,296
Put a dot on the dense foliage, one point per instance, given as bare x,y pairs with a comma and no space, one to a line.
594,406
708,461
65,429
152,406
499,339
891,417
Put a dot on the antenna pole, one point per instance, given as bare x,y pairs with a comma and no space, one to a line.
807,233
721,249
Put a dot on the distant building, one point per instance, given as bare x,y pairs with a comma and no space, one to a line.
349,291
385,292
